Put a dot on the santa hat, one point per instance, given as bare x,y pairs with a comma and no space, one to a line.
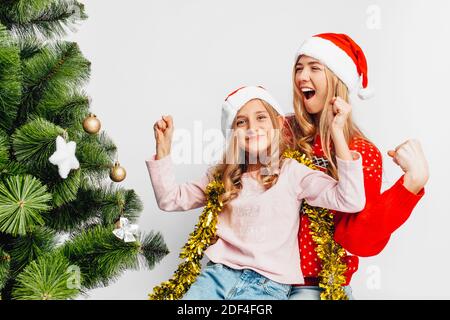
238,98
342,56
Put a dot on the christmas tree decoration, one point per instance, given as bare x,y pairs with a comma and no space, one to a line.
56,214
125,230
204,234
117,173
91,124
64,157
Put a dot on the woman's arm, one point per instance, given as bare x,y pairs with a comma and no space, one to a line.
366,233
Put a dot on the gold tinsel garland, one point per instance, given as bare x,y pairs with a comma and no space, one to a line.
322,229
329,252
192,251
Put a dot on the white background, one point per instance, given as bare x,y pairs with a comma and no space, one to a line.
183,57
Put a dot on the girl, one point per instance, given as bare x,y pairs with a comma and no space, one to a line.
256,255
330,67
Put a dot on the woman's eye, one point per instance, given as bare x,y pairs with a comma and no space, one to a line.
261,117
240,122
316,68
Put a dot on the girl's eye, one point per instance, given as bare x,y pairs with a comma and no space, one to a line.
261,117
240,122
299,70
316,68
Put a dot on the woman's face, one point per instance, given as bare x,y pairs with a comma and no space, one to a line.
254,128
311,81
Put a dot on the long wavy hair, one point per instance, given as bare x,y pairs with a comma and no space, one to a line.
309,125
235,161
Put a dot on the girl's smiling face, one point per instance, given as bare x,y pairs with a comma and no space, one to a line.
254,127
311,81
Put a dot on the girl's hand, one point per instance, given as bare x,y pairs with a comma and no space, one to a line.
411,159
339,113
163,135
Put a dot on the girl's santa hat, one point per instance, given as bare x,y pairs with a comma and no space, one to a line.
342,56
238,98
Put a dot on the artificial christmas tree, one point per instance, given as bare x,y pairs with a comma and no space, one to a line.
58,231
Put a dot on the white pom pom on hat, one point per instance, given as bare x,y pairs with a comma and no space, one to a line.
343,56
238,98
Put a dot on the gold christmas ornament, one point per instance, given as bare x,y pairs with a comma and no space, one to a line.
332,276
117,172
91,124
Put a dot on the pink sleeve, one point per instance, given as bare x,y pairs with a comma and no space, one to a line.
320,190
171,196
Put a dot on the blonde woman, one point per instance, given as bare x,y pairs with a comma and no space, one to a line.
328,69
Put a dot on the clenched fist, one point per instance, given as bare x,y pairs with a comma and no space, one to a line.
339,113
411,159
163,135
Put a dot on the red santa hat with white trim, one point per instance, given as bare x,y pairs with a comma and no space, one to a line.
239,97
342,56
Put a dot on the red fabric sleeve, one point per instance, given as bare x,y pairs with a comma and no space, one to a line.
366,233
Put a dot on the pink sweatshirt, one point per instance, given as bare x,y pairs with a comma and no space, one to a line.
260,230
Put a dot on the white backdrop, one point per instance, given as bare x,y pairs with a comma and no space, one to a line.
182,57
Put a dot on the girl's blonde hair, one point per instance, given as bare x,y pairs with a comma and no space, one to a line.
233,166
309,125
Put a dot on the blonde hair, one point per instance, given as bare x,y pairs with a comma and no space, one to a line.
231,171
309,125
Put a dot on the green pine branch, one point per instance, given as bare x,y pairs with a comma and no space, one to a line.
50,277
42,18
65,109
22,199
117,201
57,68
35,142
5,260
101,256
94,206
153,249
27,248
10,80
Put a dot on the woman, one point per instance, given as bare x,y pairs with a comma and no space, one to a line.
328,69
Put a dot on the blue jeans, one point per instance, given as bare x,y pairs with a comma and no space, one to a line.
312,293
219,282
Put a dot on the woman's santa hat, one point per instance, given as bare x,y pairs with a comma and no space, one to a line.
238,98
342,56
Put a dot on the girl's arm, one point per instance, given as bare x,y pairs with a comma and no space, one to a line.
320,190
169,195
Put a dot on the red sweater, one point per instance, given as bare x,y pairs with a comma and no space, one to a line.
367,232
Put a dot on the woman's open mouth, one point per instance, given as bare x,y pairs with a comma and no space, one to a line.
254,137
308,93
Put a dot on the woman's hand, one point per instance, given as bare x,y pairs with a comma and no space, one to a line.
337,117
411,159
339,113
163,135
